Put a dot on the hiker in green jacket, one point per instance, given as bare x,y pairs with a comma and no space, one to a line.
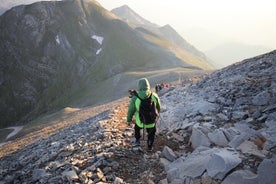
143,92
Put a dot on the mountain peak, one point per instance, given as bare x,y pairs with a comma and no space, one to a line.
126,7
168,26
129,15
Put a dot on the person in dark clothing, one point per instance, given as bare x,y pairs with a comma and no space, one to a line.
143,92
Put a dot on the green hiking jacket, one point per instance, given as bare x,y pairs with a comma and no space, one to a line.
143,92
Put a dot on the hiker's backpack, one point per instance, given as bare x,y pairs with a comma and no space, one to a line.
148,112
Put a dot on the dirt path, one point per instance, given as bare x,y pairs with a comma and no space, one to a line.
139,167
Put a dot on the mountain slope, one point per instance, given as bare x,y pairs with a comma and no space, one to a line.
165,35
132,17
64,53
229,118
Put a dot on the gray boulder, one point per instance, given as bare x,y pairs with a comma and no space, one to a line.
230,133
222,162
241,177
192,166
267,171
218,137
238,139
199,138
169,154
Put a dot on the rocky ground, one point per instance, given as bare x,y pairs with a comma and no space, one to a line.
96,150
230,118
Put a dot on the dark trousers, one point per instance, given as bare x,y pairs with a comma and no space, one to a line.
150,132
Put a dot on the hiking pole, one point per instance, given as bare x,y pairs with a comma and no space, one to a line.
160,118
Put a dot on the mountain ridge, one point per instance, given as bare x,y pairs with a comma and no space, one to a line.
131,16
183,47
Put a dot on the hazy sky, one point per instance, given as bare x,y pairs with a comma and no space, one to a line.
248,21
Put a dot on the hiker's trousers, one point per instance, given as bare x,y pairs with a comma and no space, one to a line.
150,133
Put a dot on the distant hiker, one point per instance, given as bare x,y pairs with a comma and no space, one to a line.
158,88
142,96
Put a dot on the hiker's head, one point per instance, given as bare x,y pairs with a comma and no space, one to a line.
143,84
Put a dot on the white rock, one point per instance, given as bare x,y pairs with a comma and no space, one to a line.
98,38
71,175
118,181
250,148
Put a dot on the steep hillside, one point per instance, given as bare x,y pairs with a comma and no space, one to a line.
55,54
132,17
229,117
165,36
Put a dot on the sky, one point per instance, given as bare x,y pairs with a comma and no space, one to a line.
247,21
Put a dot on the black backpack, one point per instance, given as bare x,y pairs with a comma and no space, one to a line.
148,113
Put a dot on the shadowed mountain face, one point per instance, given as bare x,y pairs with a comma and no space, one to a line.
52,53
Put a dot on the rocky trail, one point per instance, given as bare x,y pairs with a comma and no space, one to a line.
95,150
220,129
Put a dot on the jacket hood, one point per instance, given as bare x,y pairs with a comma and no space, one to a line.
143,84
